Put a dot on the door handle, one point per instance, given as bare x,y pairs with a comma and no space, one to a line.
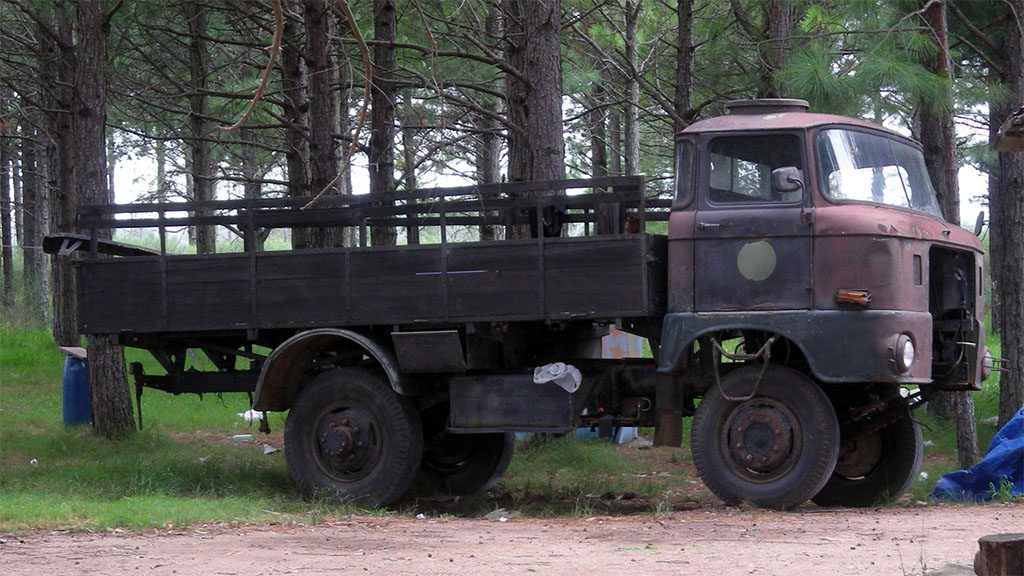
706,225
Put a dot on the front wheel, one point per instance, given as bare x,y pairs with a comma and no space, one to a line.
876,467
350,437
774,450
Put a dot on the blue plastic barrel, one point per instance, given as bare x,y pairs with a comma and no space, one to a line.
77,397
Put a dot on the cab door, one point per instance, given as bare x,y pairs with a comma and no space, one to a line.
752,240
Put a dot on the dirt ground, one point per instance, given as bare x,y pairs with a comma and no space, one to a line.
711,540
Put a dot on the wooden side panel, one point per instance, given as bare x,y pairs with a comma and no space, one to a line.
494,280
396,285
288,294
208,292
120,294
596,277
587,277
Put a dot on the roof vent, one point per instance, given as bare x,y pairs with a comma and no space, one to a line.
767,106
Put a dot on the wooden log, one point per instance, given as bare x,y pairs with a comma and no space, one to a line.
1000,555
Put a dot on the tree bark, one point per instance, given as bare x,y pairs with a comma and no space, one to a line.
343,95
632,139
294,108
111,402
381,154
781,17
536,148
160,152
6,236
487,152
684,63
1007,246
323,112
32,206
939,142
200,149
252,173
937,129
487,158
56,77
412,232
16,177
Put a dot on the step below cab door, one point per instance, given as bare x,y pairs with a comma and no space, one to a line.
752,231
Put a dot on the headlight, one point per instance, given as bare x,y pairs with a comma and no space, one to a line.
904,353
987,364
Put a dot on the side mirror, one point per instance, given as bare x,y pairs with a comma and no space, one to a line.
979,224
787,179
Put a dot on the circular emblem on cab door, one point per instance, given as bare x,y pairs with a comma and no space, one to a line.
756,260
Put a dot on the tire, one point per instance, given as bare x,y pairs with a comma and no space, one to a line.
349,437
775,450
875,468
467,463
461,464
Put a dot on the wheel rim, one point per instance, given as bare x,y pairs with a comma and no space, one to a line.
859,456
448,452
762,438
348,443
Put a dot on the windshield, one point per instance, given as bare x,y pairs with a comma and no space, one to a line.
871,168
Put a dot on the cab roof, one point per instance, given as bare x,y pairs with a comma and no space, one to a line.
776,114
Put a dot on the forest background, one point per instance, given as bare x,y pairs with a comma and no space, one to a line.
429,92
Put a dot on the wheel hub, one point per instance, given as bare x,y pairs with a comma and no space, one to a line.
760,437
859,456
346,441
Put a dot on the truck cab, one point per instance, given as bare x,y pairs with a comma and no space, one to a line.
814,244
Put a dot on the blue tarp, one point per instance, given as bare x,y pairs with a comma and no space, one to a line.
1004,462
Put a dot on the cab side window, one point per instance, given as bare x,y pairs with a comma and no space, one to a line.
741,168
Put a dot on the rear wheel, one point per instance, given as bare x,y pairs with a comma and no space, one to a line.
774,450
462,463
350,437
875,467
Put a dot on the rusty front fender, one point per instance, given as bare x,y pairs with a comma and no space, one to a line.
840,346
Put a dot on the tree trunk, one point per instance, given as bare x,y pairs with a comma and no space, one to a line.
323,111
1007,246
32,263
632,140
536,148
937,129
412,232
252,173
16,177
294,111
939,142
200,148
6,236
782,17
343,94
614,135
381,154
56,77
160,151
684,63
111,402
487,158
487,153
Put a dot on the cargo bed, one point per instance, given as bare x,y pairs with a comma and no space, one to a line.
592,276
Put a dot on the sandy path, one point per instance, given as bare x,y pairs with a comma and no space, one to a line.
710,541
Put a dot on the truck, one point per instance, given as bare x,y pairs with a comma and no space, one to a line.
802,297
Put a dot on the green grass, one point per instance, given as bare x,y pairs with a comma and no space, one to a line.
181,469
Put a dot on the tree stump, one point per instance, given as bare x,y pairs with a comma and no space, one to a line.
1000,555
